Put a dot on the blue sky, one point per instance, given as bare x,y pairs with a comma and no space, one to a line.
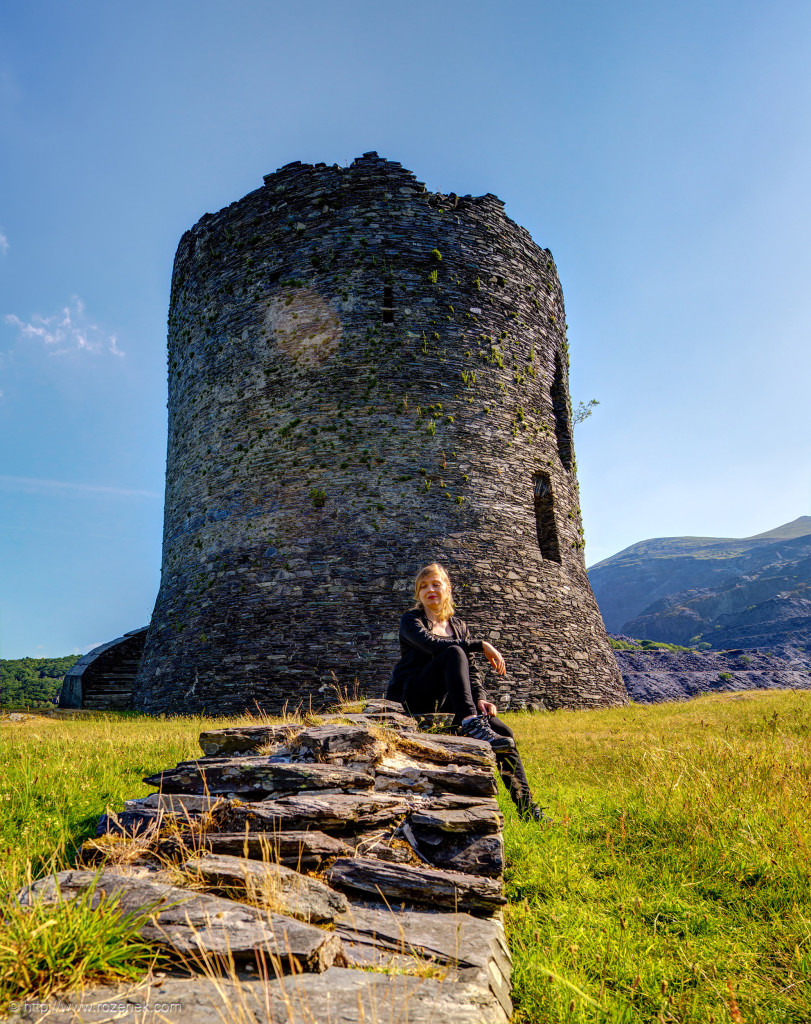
661,150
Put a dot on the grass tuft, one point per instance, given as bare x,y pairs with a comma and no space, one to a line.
67,945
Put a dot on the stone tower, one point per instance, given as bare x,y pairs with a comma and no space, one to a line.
365,377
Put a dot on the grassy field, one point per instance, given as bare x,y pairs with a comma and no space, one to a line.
674,886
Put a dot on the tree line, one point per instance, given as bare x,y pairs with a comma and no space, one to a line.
32,682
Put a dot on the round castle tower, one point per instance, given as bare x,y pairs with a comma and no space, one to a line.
365,377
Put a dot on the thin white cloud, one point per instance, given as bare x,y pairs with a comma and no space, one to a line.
4,246
87,648
29,484
67,331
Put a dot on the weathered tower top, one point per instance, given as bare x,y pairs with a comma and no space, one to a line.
364,377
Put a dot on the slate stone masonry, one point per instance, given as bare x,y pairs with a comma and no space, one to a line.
364,377
304,852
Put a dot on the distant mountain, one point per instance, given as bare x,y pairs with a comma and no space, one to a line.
726,592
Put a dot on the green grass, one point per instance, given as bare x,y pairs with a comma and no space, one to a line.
679,866
57,776
67,945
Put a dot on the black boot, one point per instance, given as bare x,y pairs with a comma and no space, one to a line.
511,769
478,728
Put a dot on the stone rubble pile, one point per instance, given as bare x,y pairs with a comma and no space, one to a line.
358,842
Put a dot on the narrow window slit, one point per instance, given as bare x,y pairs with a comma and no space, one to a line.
545,517
388,304
560,408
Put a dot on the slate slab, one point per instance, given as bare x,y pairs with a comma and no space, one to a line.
380,705
254,778
129,823
338,996
389,720
245,739
295,849
442,749
287,891
192,924
474,949
330,812
409,883
179,804
477,818
466,780
476,855
350,742
455,801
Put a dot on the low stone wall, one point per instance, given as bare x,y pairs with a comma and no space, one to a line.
350,869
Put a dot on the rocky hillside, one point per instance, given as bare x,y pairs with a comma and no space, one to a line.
724,592
651,676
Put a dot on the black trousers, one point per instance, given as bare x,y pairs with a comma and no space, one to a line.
444,685
444,682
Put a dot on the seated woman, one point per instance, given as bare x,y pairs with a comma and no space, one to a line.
436,672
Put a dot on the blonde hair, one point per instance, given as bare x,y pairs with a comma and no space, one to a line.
434,569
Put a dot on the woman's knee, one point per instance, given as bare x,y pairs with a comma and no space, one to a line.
453,655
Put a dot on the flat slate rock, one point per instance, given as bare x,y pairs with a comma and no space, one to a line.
442,749
380,705
473,948
330,812
466,780
255,778
129,823
338,996
191,923
350,742
300,850
408,883
144,816
391,719
480,819
245,739
473,855
454,801
283,889
177,804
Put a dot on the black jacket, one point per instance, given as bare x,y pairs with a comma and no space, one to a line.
418,645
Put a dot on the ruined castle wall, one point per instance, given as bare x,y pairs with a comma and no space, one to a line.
365,377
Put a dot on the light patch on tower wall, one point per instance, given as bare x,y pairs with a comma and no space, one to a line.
304,325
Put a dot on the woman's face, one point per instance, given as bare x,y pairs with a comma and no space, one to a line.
433,591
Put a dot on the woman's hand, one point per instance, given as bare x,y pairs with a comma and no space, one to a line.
494,657
486,707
